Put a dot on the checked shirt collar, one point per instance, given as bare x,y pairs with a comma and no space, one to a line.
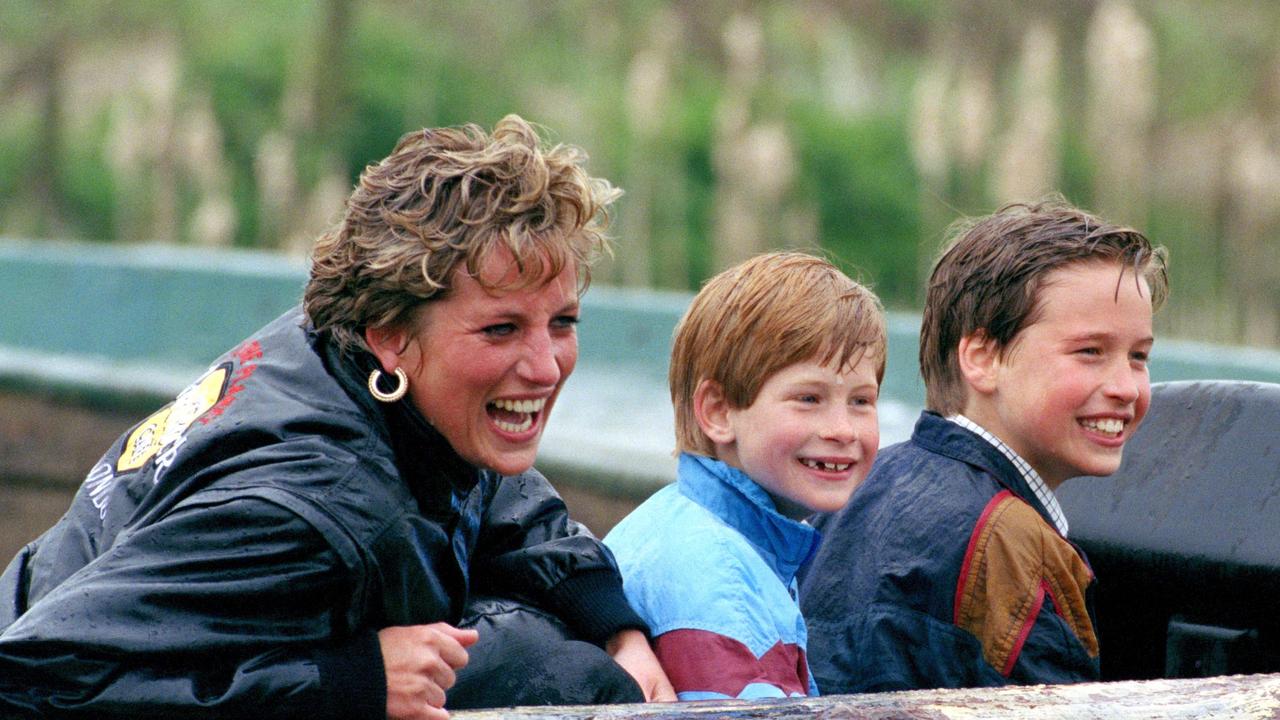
1042,491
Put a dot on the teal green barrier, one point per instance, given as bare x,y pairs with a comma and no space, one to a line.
132,325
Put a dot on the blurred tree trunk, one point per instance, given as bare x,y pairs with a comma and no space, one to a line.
299,168
45,178
952,118
1121,59
753,158
1255,221
331,83
1027,159
932,156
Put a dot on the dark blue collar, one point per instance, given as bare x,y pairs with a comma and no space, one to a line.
938,434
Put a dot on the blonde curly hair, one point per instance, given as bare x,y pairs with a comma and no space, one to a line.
447,198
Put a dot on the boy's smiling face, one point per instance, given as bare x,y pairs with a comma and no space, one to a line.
1072,387
808,438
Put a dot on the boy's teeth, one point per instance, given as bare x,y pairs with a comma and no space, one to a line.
1109,427
521,406
836,467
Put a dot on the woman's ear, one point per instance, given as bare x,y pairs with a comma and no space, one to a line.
388,345
711,409
979,360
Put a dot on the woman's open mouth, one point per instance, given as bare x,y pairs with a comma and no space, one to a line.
515,416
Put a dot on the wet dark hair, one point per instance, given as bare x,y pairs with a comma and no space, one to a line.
989,276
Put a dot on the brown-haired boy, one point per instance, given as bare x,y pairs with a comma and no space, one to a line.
950,566
775,373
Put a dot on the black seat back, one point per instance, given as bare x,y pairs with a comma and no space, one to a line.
1185,537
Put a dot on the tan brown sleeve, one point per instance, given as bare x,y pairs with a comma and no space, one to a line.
1014,560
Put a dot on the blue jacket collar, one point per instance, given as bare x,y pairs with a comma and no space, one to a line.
740,503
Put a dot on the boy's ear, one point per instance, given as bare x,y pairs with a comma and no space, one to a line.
979,360
711,409
388,345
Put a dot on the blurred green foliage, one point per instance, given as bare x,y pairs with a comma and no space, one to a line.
861,174
337,82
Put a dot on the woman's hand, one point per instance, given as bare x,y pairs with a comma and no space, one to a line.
420,662
630,649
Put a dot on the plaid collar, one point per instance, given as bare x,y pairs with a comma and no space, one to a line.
1042,491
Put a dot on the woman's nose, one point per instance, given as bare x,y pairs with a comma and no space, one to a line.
540,364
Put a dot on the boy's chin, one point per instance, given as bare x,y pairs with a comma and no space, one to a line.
1100,467
830,505
811,503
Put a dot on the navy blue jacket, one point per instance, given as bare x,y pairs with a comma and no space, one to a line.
944,570
235,554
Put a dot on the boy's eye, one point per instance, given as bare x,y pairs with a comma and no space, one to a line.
1140,357
807,398
1090,351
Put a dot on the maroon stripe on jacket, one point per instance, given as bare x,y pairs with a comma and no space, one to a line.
703,661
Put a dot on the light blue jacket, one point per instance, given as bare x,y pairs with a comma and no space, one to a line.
711,566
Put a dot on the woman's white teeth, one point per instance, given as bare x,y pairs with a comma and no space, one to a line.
515,427
525,408
1108,427
520,406
830,467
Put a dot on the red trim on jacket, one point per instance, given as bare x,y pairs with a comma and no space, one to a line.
1026,628
968,553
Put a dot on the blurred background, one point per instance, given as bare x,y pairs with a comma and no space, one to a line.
170,133
864,127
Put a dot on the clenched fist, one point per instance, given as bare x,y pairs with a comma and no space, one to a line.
421,661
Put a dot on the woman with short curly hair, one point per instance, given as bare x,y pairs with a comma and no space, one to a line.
347,488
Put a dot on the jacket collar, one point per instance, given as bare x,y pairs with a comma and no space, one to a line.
740,503
937,434
423,455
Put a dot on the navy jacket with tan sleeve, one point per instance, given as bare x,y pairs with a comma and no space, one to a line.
944,570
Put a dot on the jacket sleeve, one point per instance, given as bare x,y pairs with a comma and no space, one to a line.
530,549
1022,592
223,608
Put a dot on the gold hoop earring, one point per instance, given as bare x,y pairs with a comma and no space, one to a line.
402,386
